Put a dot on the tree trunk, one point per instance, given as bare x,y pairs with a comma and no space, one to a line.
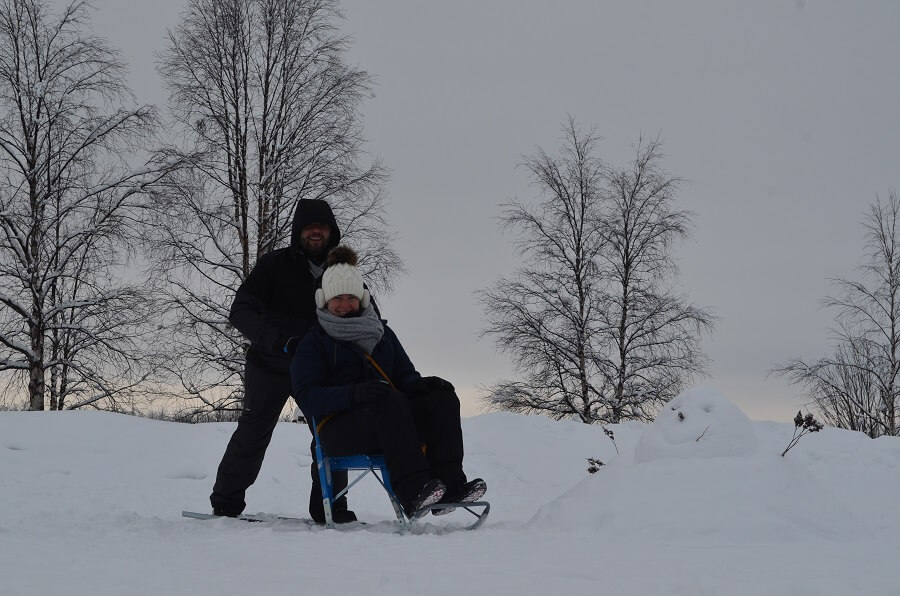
36,370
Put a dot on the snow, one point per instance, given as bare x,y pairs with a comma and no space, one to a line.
699,502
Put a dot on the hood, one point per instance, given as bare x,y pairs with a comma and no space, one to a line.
310,211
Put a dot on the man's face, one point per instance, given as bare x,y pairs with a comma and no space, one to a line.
314,239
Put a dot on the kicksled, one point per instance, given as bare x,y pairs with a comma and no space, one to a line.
374,464
364,465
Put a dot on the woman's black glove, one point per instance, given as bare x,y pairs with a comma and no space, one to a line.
427,384
369,391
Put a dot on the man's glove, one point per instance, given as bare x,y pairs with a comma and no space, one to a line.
370,391
427,384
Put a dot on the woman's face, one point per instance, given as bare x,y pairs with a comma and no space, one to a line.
343,305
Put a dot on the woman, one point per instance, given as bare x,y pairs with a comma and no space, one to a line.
353,376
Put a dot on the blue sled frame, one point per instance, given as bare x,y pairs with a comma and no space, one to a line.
374,464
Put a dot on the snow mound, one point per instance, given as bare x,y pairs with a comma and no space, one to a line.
698,423
697,474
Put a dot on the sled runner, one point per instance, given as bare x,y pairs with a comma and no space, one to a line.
375,464
251,517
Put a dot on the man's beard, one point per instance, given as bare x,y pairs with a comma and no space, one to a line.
315,253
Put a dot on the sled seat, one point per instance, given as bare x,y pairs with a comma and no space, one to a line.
374,464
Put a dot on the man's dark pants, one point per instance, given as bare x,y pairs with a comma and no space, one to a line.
265,394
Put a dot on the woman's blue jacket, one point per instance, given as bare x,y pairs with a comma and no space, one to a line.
325,371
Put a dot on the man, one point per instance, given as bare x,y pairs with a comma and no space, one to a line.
273,308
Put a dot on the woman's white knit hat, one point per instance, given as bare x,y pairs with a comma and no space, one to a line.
342,277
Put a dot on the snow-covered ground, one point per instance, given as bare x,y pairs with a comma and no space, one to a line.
697,503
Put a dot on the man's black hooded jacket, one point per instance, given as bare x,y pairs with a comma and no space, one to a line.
276,302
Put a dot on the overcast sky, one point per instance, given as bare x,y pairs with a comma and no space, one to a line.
783,116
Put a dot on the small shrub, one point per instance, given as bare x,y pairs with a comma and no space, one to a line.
803,425
594,465
612,438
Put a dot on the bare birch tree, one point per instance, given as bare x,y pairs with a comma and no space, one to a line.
265,99
591,320
70,328
858,387
651,332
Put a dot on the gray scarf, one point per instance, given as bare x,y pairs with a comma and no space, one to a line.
365,330
316,270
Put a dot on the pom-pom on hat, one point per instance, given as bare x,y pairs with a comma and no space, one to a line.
342,277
